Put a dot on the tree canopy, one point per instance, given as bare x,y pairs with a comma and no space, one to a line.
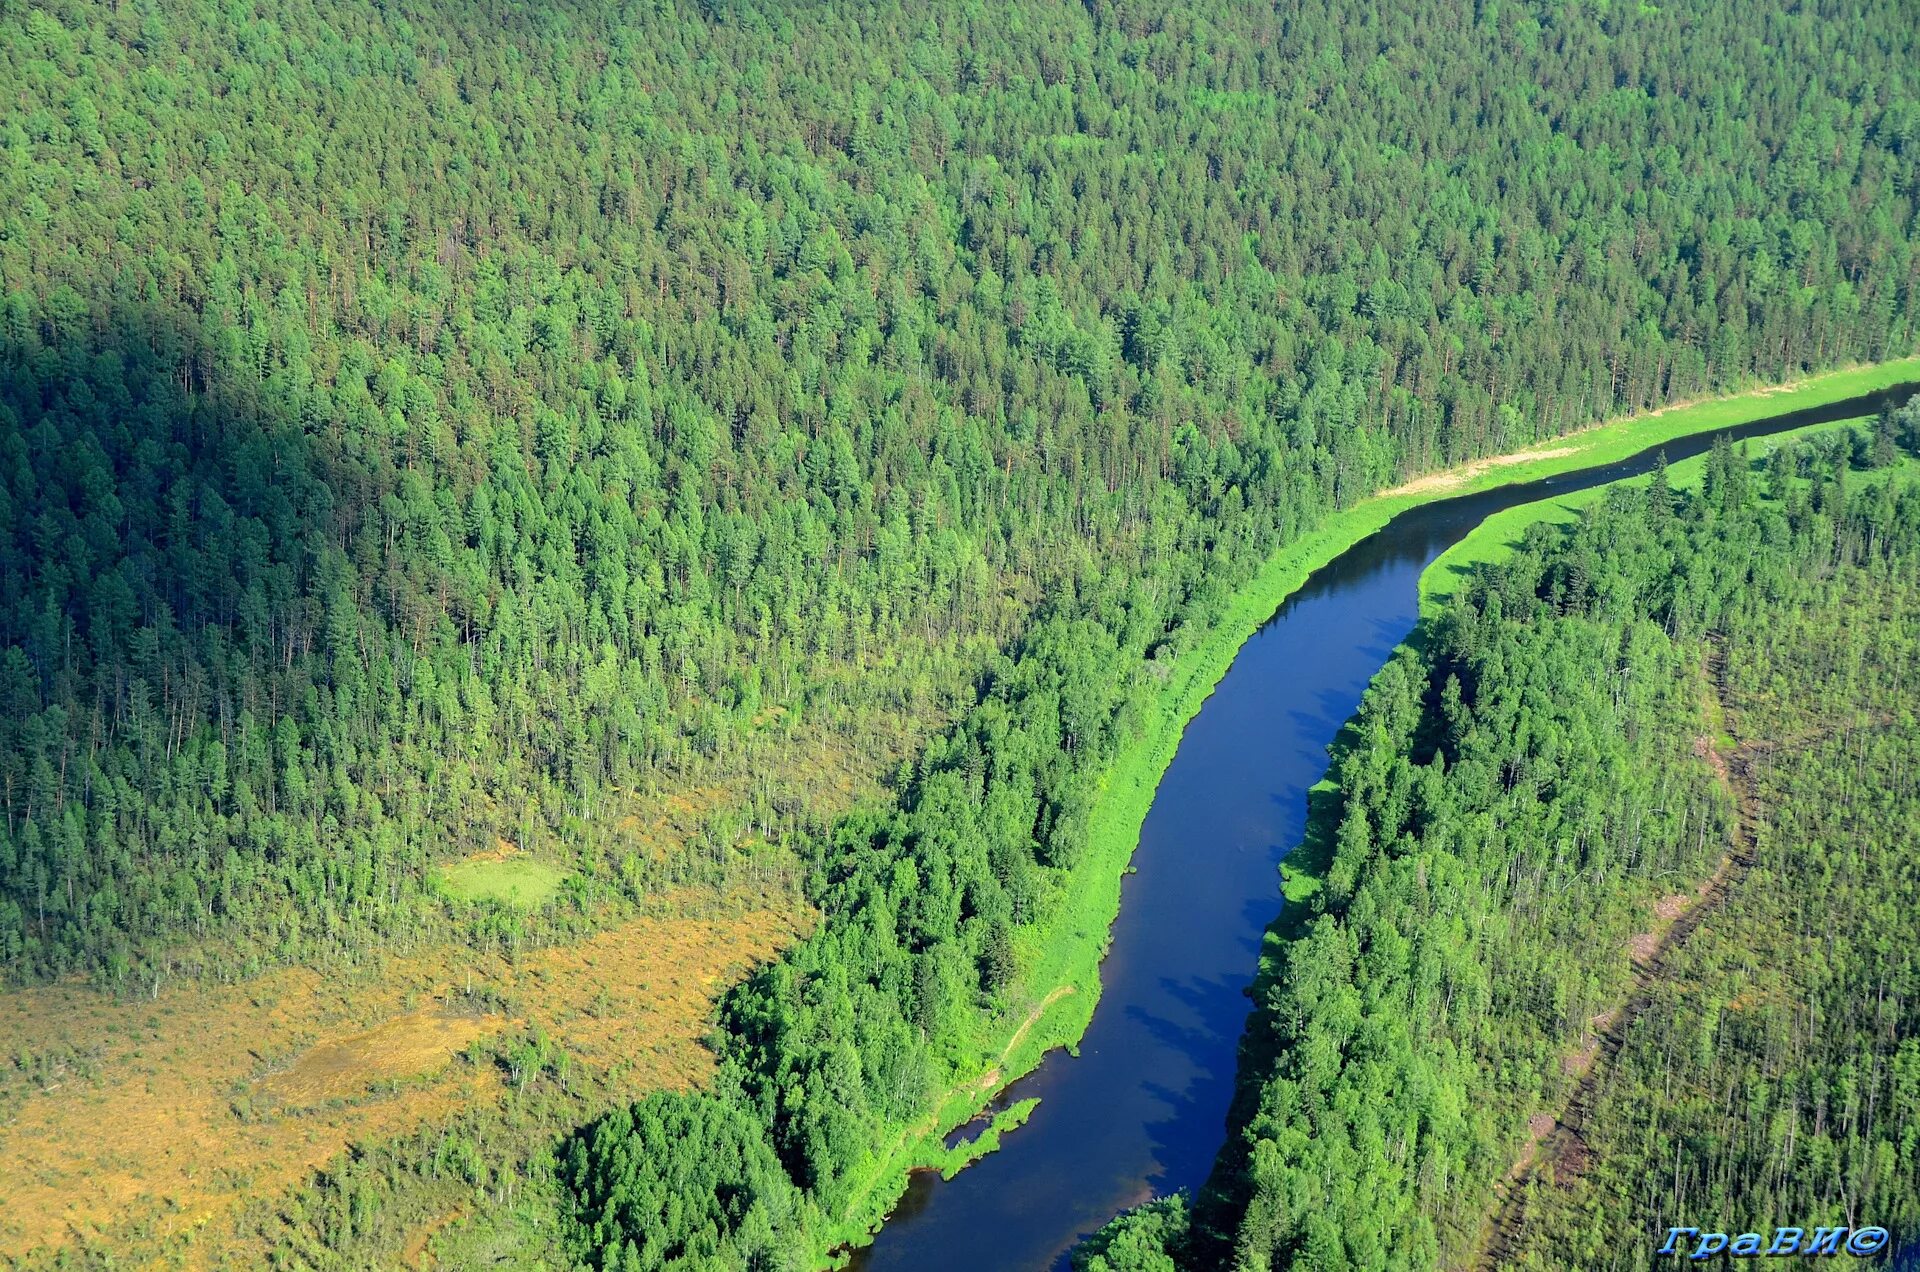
440,418
1522,795
429,423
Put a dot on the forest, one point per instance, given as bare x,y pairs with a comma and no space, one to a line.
424,425
1518,793
1780,1061
406,407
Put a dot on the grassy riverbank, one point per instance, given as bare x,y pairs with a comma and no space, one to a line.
1494,539
1068,958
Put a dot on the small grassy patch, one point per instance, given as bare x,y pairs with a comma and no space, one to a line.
517,881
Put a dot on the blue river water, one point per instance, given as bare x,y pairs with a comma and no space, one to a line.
1142,1110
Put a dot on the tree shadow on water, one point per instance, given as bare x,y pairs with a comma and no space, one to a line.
1185,1140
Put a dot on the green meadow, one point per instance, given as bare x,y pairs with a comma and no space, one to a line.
517,882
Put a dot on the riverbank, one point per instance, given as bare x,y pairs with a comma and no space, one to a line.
1495,538
1070,953
1491,541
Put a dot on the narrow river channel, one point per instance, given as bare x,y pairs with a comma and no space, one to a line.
1142,1110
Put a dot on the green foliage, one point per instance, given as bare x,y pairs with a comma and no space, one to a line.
1518,794
680,1182
417,422
1505,812
515,882
422,425
374,1199
1775,1071
1139,1240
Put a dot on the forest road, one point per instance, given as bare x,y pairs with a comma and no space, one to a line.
1556,1151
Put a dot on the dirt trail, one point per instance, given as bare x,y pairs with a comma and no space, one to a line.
991,1078
1453,478
1555,1149
1033,1018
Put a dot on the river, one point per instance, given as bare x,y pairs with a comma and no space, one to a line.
1142,1110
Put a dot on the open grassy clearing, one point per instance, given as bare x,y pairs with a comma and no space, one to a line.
132,1124
517,881
145,1126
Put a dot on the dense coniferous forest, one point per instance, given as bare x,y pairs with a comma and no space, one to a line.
429,423
1515,797
413,408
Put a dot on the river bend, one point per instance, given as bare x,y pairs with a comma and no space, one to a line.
1141,1111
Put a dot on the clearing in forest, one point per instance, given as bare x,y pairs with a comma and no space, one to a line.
504,876
124,1124
172,1113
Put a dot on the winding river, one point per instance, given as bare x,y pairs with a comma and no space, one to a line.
1141,1111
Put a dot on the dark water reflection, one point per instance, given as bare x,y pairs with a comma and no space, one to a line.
1142,1110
